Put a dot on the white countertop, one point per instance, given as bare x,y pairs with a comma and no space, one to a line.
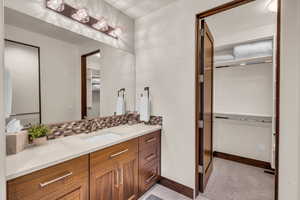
63,149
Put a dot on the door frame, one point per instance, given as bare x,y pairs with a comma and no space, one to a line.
83,82
213,11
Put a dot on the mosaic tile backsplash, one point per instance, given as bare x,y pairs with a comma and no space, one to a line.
92,125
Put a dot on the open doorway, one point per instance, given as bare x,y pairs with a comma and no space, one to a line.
90,85
237,100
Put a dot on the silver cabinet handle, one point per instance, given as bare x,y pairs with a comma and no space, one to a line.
56,179
150,179
119,153
151,140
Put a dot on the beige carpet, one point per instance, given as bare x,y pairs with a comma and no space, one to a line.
235,181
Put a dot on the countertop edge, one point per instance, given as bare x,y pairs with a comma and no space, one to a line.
67,158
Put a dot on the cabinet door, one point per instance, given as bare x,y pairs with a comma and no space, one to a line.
105,182
129,177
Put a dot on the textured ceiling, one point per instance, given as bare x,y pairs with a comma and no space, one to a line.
138,8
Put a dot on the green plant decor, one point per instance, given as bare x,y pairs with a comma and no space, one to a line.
38,131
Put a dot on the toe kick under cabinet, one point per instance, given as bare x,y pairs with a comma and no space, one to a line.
121,172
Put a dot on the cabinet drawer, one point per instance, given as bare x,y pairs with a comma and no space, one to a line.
57,182
149,154
150,140
149,175
114,153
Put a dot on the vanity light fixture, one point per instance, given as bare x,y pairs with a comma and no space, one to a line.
58,5
101,24
81,15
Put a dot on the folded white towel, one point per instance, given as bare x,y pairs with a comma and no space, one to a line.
120,109
264,48
145,108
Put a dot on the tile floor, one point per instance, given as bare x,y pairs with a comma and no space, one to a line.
229,181
166,194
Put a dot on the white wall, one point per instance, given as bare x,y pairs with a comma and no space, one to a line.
60,75
2,135
244,89
37,9
289,173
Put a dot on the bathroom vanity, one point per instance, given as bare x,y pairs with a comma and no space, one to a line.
84,90
122,162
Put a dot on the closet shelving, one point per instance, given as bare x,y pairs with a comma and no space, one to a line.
244,61
243,117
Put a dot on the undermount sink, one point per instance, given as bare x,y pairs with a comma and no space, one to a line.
102,137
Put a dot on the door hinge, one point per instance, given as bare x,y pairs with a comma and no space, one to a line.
200,124
200,169
202,32
201,78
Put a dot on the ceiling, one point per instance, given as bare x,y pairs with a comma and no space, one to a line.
138,8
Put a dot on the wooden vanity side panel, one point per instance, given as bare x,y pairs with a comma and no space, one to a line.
75,186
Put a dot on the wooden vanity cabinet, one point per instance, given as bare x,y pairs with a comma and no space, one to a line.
122,172
65,181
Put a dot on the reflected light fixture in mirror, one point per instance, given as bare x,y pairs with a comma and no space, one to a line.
272,5
98,55
81,15
58,5
101,24
116,32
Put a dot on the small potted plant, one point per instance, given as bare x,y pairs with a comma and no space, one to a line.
38,134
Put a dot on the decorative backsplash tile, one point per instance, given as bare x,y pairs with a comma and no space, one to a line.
155,120
91,125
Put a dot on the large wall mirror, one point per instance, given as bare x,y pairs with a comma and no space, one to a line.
54,75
